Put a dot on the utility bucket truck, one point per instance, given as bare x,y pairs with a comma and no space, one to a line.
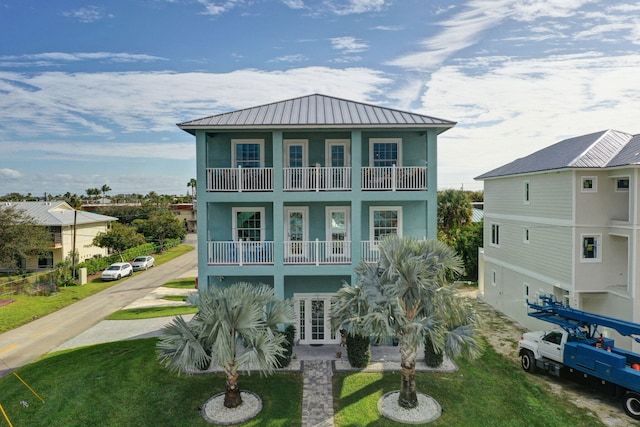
577,345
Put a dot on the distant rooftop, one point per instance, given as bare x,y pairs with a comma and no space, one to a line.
56,213
602,149
316,111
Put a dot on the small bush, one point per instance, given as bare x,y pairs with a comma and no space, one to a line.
358,350
285,359
431,357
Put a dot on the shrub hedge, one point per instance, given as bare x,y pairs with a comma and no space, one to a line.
431,358
285,359
358,350
95,265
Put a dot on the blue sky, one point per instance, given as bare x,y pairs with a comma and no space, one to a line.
90,92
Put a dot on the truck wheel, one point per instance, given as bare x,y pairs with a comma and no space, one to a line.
527,360
632,405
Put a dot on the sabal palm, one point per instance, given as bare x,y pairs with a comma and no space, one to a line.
234,326
409,295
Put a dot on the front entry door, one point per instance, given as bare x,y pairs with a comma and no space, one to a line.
314,326
296,233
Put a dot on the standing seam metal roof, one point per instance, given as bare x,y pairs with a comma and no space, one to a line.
56,213
597,150
316,110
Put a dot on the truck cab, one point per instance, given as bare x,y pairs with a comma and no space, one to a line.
542,349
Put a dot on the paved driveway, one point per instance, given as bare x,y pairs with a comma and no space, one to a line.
26,343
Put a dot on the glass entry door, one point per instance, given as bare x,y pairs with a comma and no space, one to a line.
296,233
314,325
338,233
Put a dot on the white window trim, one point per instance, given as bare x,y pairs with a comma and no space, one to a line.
594,183
373,141
235,142
305,149
491,243
347,215
598,241
526,235
526,192
525,293
234,220
373,209
493,277
347,150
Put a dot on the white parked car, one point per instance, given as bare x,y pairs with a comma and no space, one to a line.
143,263
117,271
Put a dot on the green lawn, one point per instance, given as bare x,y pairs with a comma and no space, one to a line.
488,392
122,384
150,312
28,308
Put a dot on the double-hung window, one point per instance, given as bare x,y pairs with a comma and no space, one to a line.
248,153
248,224
495,235
385,152
385,221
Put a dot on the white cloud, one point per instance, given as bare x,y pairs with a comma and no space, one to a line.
518,106
294,4
88,14
466,27
47,59
348,44
104,104
10,173
356,6
217,7
290,58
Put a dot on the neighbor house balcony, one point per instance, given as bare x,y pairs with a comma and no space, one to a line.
314,252
318,178
56,240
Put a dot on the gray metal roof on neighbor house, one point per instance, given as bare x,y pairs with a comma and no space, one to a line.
314,111
56,213
603,149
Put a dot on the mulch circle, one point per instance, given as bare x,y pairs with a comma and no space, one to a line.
6,301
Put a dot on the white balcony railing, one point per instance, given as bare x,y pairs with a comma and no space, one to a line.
369,251
240,253
239,179
317,252
314,252
317,178
394,178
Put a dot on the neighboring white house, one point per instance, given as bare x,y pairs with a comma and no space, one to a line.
565,221
69,229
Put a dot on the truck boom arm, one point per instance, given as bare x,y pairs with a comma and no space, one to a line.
570,318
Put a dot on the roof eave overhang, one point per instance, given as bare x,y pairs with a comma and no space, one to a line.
412,127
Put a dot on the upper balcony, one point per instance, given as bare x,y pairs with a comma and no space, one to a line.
318,178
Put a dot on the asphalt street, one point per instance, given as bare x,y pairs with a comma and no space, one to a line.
28,342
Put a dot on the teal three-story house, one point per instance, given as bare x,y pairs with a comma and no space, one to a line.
295,193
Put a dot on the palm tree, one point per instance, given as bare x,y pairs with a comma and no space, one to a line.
192,184
104,190
408,294
234,326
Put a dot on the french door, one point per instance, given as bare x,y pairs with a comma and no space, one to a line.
296,229
314,323
338,234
